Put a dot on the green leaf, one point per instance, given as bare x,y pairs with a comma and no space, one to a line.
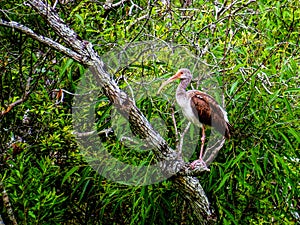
223,181
80,18
65,67
233,87
31,214
69,173
286,139
238,158
83,192
294,133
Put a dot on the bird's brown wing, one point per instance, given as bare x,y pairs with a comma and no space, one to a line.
209,113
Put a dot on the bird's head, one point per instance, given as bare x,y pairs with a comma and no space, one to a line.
181,74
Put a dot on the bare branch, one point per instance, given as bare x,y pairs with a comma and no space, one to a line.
42,39
68,35
211,152
243,6
19,101
70,93
10,106
180,144
86,134
119,98
109,4
136,21
133,5
175,125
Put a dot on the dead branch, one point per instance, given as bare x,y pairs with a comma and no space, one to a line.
109,4
19,101
42,39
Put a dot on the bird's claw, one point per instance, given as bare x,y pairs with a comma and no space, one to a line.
199,162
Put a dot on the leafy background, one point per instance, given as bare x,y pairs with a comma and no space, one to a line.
251,47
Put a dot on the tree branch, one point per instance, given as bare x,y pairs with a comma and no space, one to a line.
19,101
192,191
118,97
109,4
42,39
82,51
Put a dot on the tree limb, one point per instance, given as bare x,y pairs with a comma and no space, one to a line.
111,89
83,52
42,39
192,191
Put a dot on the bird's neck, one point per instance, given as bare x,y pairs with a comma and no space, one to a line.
184,83
181,91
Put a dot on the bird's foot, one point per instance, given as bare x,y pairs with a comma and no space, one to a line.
199,162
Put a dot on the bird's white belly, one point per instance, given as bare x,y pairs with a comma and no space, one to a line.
188,112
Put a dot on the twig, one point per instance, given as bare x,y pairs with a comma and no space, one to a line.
265,80
130,88
55,3
220,19
10,106
243,6
189,9
84,134
19,101
70,93
136,21
174,123
133,6
60,94
89,133
180,145
223,9
211,152
109,5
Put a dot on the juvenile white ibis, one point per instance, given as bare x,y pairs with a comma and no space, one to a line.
199,108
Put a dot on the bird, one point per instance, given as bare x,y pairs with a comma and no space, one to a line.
199,108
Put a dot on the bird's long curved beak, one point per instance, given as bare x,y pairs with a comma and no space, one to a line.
167,82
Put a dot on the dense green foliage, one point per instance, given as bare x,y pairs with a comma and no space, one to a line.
251,49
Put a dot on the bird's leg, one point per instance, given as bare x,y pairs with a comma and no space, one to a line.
200,160
202,142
